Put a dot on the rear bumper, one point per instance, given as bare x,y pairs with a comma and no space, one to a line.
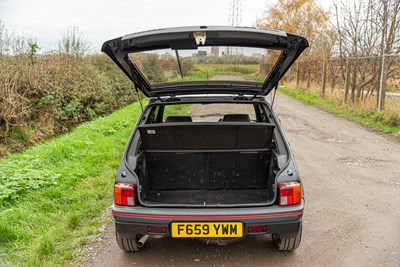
285,221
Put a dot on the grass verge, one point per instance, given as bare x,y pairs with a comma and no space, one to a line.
385,122
44,220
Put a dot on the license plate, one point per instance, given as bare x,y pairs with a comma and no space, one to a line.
207,229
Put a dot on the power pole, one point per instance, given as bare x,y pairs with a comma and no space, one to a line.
235,13
234,19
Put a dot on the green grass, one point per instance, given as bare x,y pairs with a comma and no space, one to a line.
385,121
207,71
53,194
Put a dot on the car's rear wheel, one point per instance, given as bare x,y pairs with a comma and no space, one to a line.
287,244
128,244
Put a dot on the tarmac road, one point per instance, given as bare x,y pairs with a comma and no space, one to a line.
352,213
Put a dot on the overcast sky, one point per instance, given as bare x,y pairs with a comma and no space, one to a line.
100,20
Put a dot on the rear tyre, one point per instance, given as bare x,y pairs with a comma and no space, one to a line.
287,244
128,244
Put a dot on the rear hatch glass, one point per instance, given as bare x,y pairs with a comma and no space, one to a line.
205,63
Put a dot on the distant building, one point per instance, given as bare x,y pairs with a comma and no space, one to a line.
257,55
202,53
215,51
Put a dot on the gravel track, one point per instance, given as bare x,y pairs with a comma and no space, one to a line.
352,213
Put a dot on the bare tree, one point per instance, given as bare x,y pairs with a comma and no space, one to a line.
14,43
367,28
303,17
73,43
3,34
388,19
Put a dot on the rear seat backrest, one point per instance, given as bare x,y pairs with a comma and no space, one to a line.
206,136
178,119
236,118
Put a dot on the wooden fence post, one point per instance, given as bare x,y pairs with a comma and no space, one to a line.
323,78
346,81
308,75
381,85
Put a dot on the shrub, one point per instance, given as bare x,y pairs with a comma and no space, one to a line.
56,92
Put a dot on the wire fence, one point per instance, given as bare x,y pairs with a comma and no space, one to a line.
364,79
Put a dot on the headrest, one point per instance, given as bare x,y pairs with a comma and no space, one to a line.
178,119
236,117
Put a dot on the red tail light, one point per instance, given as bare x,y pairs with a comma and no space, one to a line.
125,194
289,193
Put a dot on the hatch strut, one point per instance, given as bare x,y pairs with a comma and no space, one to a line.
273,97
179,63
277,77
138,95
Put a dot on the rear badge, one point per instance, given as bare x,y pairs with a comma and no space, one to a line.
151,131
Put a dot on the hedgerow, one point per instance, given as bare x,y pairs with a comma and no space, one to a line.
43,94
54,94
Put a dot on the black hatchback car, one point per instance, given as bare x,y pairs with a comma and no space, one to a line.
207,158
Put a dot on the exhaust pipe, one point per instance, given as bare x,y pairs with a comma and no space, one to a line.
142,241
